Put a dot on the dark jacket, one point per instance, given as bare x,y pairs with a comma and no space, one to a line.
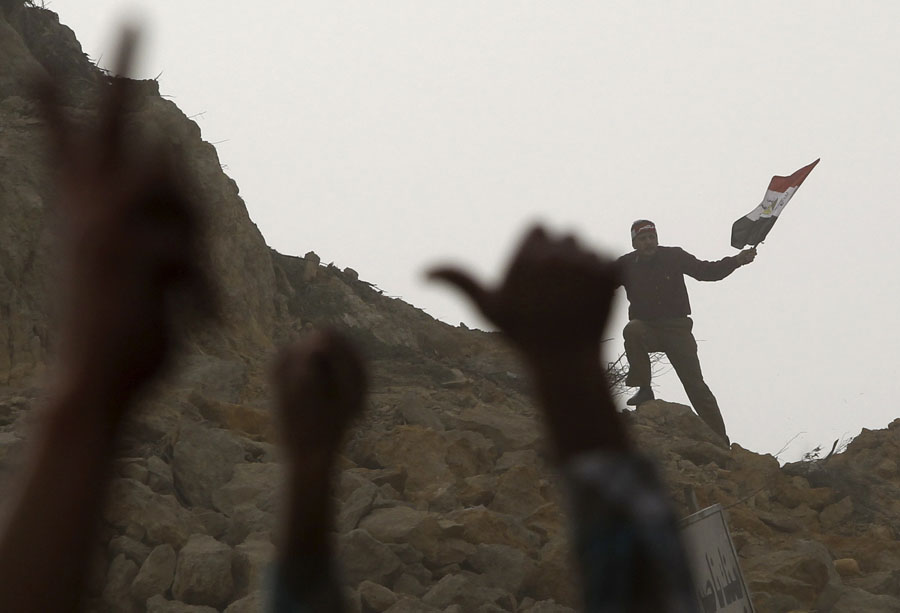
655,286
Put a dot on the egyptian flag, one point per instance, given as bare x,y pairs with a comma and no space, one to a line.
753,227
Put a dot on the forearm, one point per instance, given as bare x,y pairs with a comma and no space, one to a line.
310,514
52,516
577,406
714,271
305,572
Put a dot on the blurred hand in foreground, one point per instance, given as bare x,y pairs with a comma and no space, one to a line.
552,305
131,244
554,299
320,385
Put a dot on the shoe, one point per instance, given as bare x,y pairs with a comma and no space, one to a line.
643,395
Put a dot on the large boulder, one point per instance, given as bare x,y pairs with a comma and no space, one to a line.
363,557
143,514
203,572
203,461
250,561
156,573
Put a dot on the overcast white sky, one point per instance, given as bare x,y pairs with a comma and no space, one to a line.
391,136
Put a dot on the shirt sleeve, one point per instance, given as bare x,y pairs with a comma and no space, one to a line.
625,537
703,270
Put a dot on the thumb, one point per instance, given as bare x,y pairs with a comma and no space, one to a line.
464,282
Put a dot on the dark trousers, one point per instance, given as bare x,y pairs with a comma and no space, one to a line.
674,338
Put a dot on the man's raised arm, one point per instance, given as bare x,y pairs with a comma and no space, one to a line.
703,270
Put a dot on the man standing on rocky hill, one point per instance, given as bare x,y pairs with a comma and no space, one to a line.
659,312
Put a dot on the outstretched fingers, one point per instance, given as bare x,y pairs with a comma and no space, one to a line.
113,108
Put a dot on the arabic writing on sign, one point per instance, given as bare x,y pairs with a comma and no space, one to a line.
722,585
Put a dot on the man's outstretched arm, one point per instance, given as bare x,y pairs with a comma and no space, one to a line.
703,270
130,242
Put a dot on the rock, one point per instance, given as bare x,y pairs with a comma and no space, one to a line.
802,572
356,506
502,566
469,453
477,490
847,567
349,480
363,557
548,521
203,461
375,598
118,582
443,553
554,575
844,599
250,561
464,590
156,573
407,553
254,421
203,572
245,520
133,550
132,468
356,477
402,525
154,518
703,452
791,492
412,605
780,523
407,583
763,601
513,459
819,497
836,514
421,453
159,604
509,431
159,476
518,491
485,526
887,468
214,523
257,484
252,603
414,411
547,606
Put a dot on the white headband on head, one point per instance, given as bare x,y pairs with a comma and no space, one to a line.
641,225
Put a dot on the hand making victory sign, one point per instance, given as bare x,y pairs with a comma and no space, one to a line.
130,241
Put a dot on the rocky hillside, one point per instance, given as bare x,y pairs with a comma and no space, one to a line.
446,503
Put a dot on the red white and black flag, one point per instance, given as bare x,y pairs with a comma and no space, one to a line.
753,227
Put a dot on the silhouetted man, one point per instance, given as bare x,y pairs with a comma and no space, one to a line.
658,315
